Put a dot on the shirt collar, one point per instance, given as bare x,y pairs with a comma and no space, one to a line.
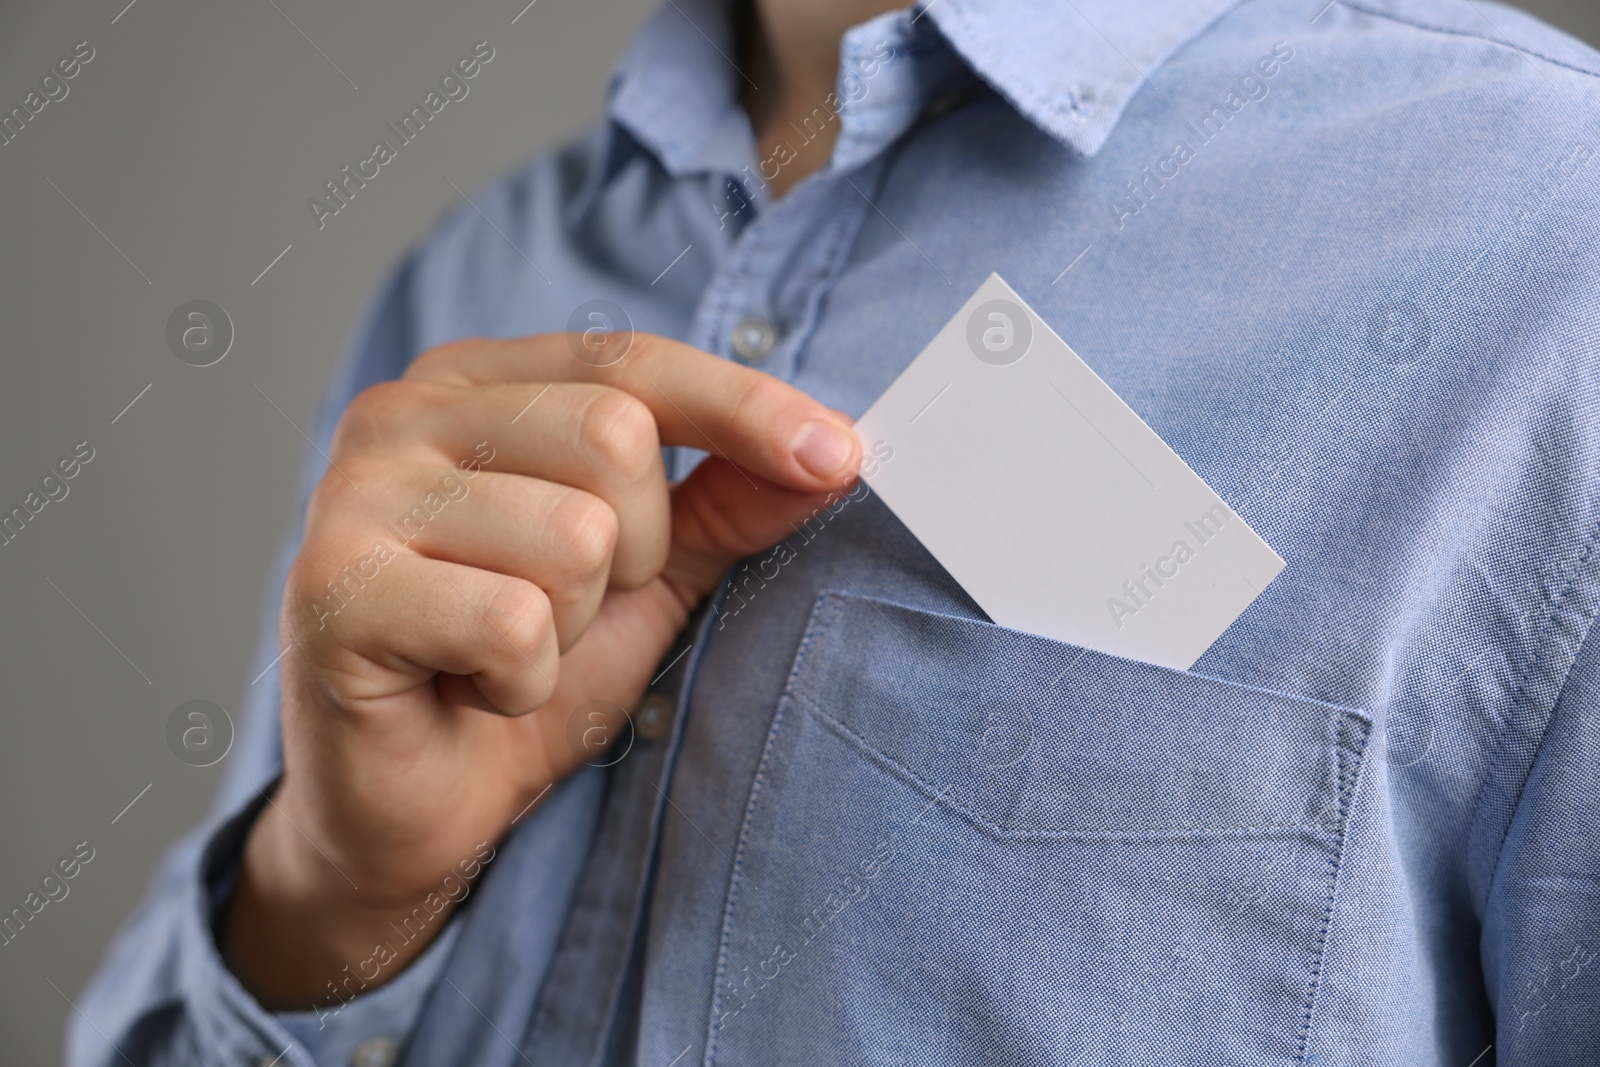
675,94
1068,66
1071,66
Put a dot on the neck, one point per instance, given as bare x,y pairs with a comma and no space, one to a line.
791,51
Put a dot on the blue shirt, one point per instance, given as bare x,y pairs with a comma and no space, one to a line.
1344,260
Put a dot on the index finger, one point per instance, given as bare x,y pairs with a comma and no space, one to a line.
751,419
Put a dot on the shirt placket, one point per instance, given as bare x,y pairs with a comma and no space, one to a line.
759,308
778,271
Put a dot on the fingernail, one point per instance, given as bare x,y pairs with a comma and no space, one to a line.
824,448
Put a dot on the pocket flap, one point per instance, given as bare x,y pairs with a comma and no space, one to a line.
1029,735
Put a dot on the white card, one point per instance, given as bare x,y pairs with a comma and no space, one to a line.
1052,503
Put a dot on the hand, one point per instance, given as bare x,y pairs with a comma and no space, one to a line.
494,544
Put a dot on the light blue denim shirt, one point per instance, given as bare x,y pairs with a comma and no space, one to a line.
1345,258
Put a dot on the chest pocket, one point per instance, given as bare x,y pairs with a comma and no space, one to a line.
966,844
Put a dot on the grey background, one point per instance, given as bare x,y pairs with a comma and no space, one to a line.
192,142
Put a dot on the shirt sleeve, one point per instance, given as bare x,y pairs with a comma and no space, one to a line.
162,994
1541,935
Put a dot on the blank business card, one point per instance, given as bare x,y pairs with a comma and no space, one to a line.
1052,503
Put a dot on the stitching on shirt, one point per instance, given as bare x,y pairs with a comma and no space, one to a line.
1351,735
1352,746
1453,31
988,825
823,278
1027,95
719,297
820,622
1545,644
844,597
1542,646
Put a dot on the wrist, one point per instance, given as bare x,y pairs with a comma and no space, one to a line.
297,932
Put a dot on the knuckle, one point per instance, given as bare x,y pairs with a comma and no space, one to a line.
330,497
759,395
369,416
516,621
646,352
304,581
443,360
586,528
649,347
310,598
344,496
619,436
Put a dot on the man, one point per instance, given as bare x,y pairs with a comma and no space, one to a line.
1342,258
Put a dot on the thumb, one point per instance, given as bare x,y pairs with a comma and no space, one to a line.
720,514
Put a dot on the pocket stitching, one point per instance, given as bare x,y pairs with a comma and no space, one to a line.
815,626
835,600
1351,737
831,604
1352,761
899,770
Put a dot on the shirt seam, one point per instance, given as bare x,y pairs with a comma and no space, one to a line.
1351,763
1026,94
1453,31
820,622
988,825
1545,645
845,230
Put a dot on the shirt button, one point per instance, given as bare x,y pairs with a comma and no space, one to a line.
376,1052
654,717
754,339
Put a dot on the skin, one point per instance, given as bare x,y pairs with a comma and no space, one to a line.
791,53
435,707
